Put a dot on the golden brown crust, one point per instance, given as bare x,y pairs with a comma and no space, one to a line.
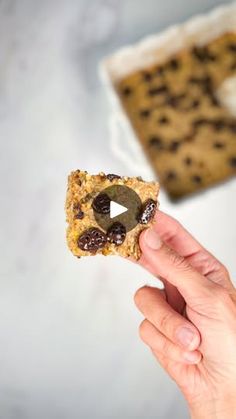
188,136
82,189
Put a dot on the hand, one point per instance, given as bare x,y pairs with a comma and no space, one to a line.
190,325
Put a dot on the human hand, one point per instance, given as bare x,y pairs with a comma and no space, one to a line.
190,326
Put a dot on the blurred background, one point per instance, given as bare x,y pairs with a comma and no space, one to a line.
69,345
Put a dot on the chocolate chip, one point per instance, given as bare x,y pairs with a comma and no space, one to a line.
163,120
174,146
147,211
175,100
188,161
156,142
147,76
127,91
92,240
171,175
101,203
111,177
78,213
116,233
158,90
232,47
203,54
218,145
197,179
173,64
232,162
144,113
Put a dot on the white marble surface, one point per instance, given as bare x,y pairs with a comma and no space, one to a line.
69,345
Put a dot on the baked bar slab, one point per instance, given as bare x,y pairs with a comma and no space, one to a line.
84,236
188,135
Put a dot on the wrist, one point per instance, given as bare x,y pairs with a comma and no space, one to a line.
214,409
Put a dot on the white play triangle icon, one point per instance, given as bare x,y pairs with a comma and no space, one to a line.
116,209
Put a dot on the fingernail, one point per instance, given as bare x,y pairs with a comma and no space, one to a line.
187,338
152,239
192,357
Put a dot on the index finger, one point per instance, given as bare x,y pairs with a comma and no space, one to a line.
182,242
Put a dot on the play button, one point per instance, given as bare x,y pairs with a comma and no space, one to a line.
116,209
117,203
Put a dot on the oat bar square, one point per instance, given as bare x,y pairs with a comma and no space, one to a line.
91,230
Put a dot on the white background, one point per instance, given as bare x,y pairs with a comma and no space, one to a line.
69,345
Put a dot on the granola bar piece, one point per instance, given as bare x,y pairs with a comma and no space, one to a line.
88,202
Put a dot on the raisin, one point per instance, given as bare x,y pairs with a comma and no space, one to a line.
111,177
188,161
158,90
163,120
116,233
174,146
156,142
232,162
92,240
79,214
197,179
218,145
171,175
144,113
127,91
101,203
147,211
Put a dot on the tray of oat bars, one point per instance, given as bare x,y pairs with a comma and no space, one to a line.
174,102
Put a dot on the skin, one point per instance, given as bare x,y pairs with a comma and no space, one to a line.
190,325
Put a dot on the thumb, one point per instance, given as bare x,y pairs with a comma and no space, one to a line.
175,269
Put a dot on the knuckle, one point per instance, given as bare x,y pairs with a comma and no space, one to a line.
143,330
166,347
179,262
165,321
138,296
